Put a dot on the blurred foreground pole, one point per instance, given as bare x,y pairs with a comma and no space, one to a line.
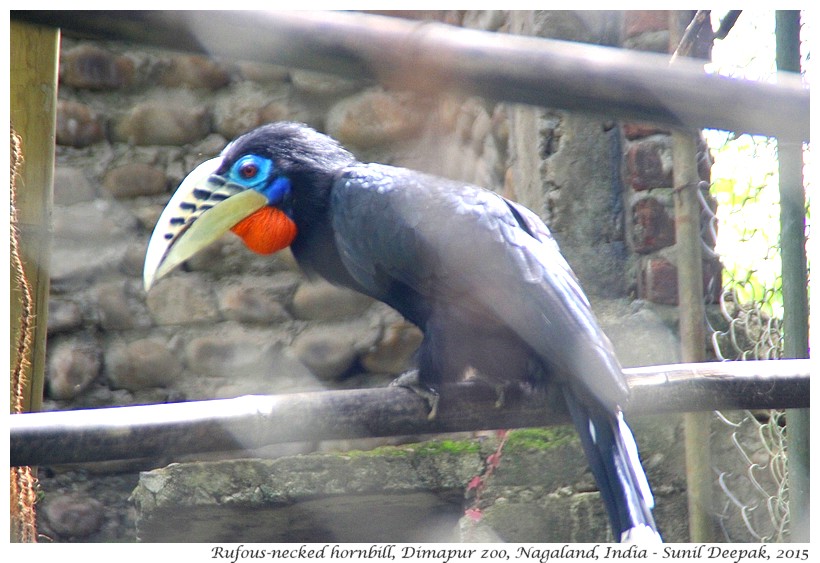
433,58
794,279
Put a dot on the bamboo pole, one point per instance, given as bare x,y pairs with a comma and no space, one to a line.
692,315
697,438
794,275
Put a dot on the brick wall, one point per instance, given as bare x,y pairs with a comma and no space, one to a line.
650,221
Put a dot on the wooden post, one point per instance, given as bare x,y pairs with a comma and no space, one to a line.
33,102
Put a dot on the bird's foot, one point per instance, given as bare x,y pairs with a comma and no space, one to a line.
410,380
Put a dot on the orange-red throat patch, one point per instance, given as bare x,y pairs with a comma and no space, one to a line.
266,231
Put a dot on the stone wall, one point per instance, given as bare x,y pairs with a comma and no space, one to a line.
133,121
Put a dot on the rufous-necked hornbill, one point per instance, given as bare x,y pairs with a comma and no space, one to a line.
481,276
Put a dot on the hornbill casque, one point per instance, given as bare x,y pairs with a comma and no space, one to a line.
480,275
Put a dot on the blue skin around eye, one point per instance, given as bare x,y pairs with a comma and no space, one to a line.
275,191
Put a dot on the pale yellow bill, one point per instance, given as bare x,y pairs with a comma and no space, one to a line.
172,243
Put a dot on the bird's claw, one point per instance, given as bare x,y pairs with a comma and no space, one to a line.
410,380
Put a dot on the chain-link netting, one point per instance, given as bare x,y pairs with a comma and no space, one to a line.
749,448
751,475
742,224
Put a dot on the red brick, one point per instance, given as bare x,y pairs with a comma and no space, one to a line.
649,164
658,281
652,227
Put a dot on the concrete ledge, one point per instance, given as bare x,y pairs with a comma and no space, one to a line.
408,493
541,491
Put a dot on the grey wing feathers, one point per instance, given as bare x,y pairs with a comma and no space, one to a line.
448,240
569,334
377,229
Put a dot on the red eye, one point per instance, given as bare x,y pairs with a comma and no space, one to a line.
248,170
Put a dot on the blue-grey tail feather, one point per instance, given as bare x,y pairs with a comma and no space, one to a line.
613,458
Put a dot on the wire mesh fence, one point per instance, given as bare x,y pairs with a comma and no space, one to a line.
741,224
750,448
752,476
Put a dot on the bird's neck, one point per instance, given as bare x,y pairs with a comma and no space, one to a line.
315,244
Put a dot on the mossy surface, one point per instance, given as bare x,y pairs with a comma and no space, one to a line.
449,447
540,438
431,448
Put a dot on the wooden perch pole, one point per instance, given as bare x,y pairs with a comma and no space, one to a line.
168,431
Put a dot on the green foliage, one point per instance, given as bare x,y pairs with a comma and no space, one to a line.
745,186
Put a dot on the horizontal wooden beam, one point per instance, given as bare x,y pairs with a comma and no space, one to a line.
170,430
433,57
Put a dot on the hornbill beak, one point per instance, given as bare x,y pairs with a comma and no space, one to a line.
204,207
